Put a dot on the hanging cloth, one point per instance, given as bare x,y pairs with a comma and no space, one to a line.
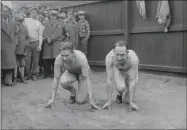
141,7
163,15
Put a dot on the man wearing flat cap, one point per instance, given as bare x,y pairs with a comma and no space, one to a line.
84,31
35,30
53,36
8,44
22,42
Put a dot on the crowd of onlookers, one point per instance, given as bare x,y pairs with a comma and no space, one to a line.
31,39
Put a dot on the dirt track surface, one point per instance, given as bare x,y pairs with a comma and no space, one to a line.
161,98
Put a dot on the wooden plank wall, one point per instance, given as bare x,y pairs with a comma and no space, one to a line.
158,50
107,24
117,20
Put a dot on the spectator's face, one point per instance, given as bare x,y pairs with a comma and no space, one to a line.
53,17
5,12
46,13
67,56
34,14
63,14
81,16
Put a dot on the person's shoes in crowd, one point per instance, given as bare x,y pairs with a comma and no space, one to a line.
40,76
22,80
34,78
14,82
27,77
8,84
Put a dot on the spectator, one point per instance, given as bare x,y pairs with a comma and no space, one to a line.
41,19
61,17
42,8
8,58
24,11
46,21
35,30
22,42
46,13
84,31
72,30
53,38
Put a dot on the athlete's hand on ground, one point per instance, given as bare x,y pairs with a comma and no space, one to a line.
107,105
50,104
133,106
94,106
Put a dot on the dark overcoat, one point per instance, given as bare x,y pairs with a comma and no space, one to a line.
52,30
8,45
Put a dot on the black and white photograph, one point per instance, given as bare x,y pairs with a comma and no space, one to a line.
93,64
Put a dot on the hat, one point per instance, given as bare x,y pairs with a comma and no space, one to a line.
53,12
61,15
81,12
19,17
34,8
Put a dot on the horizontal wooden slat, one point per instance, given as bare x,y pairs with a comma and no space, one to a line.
147,67
107,32
163,68
177,28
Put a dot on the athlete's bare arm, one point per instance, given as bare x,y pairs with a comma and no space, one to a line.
86,72
132,80
57,75
109,82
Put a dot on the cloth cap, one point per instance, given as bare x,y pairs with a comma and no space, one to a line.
81,12
53,12
61,15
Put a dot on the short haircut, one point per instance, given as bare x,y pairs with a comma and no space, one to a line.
66,46
121,43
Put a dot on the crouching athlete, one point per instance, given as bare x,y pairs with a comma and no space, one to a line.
72,72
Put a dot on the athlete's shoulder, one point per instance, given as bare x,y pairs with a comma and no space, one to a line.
58,59
133,56
81,57
79,54
109,58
